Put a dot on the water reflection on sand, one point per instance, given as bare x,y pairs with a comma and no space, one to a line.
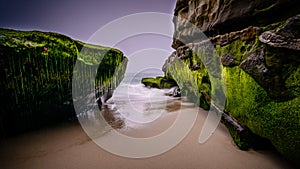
112,117
100,121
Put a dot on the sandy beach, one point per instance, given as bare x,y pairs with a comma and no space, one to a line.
66,146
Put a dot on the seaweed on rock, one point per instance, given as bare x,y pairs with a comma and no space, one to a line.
36,70
259,75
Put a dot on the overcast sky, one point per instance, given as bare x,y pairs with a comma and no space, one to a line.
79,19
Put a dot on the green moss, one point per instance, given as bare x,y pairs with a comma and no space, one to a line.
158,82
292,81
36,70
239,49
181,73
198,82
250,104
239,139
150,82
195,85
280,123
274,25
250,101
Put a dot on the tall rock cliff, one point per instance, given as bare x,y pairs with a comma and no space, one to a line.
36,70
256,51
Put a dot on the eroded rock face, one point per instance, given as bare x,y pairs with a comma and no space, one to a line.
257,43
215,17
287,36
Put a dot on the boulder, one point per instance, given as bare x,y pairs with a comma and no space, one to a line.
36,70
158,82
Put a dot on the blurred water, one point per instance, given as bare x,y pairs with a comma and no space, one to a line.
137,103
131,105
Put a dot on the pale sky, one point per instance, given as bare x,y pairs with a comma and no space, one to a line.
80,19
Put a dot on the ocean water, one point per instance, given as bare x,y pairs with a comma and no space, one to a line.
131,105
137,103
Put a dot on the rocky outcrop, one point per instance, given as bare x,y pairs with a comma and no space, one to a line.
158,82
284,37
215,17
36,70
254,62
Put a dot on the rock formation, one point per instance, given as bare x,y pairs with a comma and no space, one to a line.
158,82
255,63
36,70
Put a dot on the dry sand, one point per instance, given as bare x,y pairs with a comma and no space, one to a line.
68,147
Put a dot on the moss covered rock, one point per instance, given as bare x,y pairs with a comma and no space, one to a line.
159,82
259,68
36,71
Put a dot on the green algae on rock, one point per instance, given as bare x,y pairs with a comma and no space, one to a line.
36,70
158,82
260,66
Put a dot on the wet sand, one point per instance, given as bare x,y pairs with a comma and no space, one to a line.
66,146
